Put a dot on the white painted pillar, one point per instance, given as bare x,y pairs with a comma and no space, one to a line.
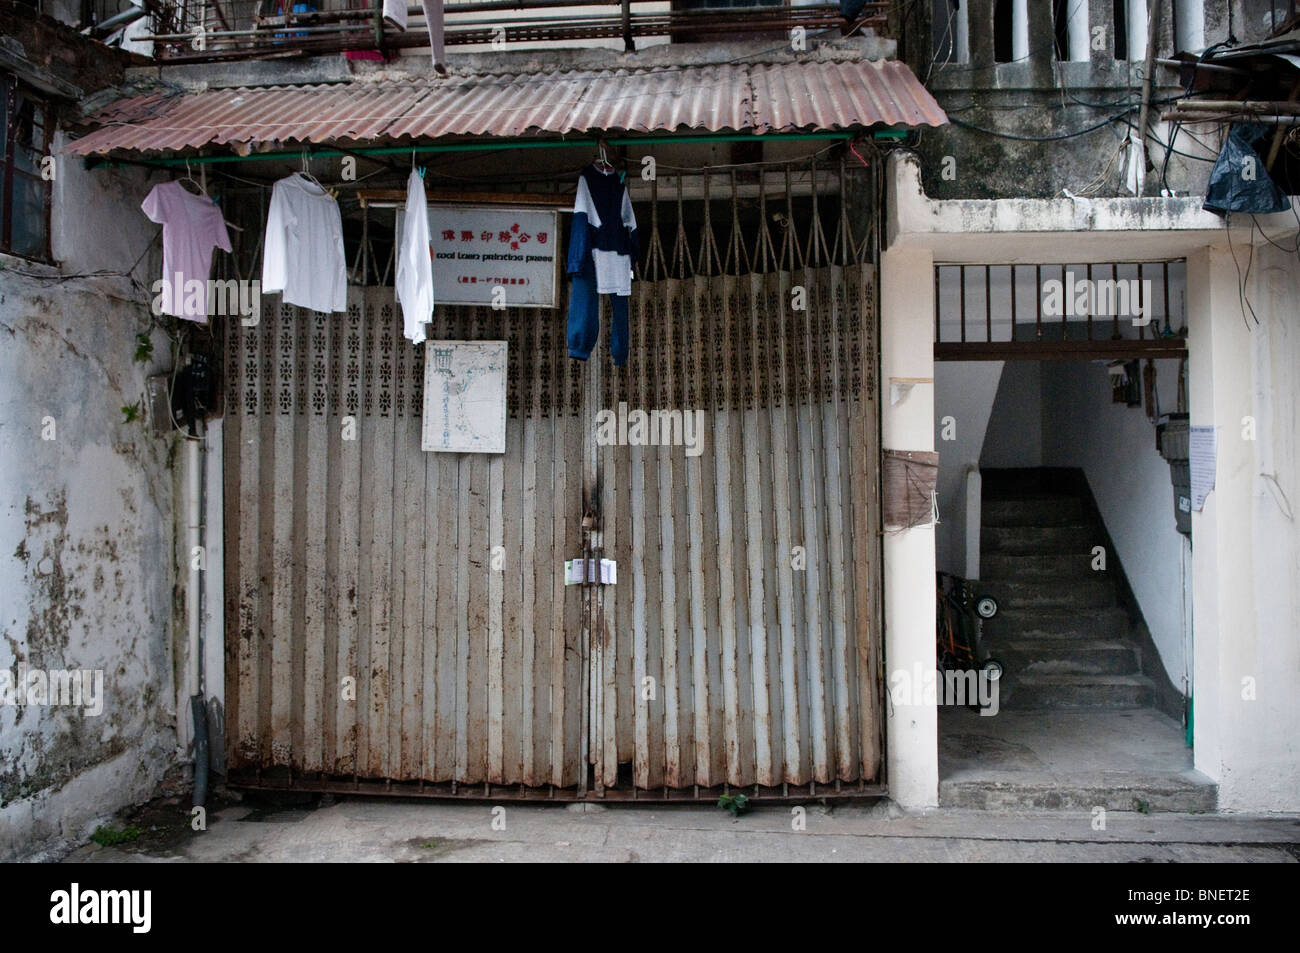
1019,30
1078,31
1137,29
1223,613
1190,16
907,321
961,29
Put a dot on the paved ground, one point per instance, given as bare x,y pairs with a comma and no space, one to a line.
1121,760
378,830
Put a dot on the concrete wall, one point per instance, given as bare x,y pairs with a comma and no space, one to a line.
1246,558
1114,445
86,522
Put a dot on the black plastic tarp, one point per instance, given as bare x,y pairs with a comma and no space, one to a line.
1239,181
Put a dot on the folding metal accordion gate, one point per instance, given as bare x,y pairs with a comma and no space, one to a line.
399,620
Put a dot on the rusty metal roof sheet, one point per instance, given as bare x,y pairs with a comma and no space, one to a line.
759,98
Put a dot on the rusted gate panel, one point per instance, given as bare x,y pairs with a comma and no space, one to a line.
370,633
401,616
739,646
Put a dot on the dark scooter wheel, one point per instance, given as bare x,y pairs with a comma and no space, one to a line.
986,607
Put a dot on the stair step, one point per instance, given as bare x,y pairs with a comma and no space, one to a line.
1048,566
1029,691
1184,794
1017,622
1064,656
1032,511
1072,538
1074,594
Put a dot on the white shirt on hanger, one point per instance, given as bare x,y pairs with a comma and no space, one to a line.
414,282
192,226
303,253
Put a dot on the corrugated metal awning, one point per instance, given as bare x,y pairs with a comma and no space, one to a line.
758,98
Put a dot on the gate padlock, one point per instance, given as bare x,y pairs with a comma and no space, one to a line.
589,520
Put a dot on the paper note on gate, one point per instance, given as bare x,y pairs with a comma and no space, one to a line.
573,571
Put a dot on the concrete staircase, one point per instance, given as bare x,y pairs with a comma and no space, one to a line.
1060,632
1078,725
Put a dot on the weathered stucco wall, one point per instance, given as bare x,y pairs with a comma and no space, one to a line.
87,570
1014,123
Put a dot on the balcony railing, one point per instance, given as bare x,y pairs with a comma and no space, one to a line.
208,30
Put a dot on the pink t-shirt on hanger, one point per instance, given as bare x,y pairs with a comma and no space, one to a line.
192,226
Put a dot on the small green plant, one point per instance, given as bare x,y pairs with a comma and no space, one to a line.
143,347
429,845
1143,807
111,837
737,804
131,412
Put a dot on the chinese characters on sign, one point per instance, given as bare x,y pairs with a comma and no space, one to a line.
478,249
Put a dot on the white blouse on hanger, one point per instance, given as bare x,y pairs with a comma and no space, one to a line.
414,281
303,254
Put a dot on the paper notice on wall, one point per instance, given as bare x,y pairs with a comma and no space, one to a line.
605,571
1203,452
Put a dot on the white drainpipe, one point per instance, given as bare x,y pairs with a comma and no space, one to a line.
194,554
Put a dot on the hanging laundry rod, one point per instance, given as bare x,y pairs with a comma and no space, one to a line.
93,162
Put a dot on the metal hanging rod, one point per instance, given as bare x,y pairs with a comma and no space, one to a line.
93,162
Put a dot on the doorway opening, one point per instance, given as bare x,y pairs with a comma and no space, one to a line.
1060,425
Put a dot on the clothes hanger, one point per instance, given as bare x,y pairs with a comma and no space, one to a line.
305,172
188,177
603,163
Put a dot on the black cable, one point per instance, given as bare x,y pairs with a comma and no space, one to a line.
1264,235
1243,298
1067,135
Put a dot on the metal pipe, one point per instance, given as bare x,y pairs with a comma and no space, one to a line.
686,18
1228,105
278,34
125,18
194,611
1237,117
1214,67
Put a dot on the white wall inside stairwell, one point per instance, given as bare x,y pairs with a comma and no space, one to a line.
964,391
1015,433
1115,447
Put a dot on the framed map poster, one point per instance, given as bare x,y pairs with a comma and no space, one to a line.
464,397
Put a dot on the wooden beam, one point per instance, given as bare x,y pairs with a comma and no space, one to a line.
1126,350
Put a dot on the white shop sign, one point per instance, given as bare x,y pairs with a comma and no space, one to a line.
478,249
464,396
